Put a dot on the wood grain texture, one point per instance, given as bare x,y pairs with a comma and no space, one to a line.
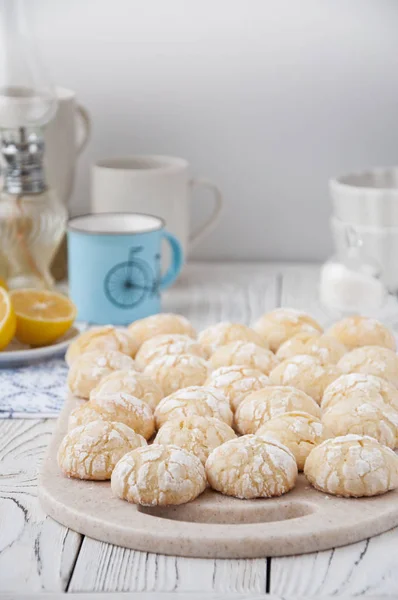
105,568
35,552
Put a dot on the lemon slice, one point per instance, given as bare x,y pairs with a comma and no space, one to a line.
42,316
8,320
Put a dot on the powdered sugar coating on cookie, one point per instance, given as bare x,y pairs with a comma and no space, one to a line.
281,324
199,435
251,467
371,360
158,476
236,382
272,401
194,400
359,416
352,466
130,381
163,345
358,331
305,373
163,323
369,388
91,367
103,339
91,451
299,431
246,354
295,345
172,373
226,332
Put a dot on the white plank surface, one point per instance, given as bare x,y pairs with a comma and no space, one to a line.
37,554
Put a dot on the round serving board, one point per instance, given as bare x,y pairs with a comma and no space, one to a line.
213,526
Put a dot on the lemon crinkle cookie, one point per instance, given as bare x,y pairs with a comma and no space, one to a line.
158,475
298,431
199,435
226,332
358,331
352,466
172,373
246,354
131,382
236,382
272,401
91,451
147,328
120,407
305,373
194,400
251,467
281,324
104,339
163,345
91,367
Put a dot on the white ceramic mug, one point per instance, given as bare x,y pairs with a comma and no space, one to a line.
367,198
158,185
378,243
65,137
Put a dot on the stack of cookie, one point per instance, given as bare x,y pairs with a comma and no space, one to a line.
238,408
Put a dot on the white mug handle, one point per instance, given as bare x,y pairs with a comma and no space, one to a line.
84,116
208,225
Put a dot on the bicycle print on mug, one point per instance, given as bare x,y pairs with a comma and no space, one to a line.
127,284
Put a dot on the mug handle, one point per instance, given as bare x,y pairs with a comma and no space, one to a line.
84,116
176,262
208,225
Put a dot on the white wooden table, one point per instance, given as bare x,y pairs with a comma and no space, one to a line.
39,555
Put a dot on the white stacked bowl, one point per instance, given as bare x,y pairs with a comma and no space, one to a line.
367,202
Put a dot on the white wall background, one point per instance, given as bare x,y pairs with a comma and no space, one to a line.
266,97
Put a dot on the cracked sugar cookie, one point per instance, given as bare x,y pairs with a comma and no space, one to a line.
359,416
130,381
91,451
295,344
91,367
103,339
369,388
236,382
167,344
199,435
172,373
298,431
272,401
120,407
225,332
371,360
147,328
352,466
305,373
325,348
251,467
362,331
158,476
281,324
194,400
246,354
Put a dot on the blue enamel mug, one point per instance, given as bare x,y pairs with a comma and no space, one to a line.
114,264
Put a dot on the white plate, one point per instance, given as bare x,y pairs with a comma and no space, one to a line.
17,354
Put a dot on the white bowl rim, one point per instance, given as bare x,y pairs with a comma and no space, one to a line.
348,182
